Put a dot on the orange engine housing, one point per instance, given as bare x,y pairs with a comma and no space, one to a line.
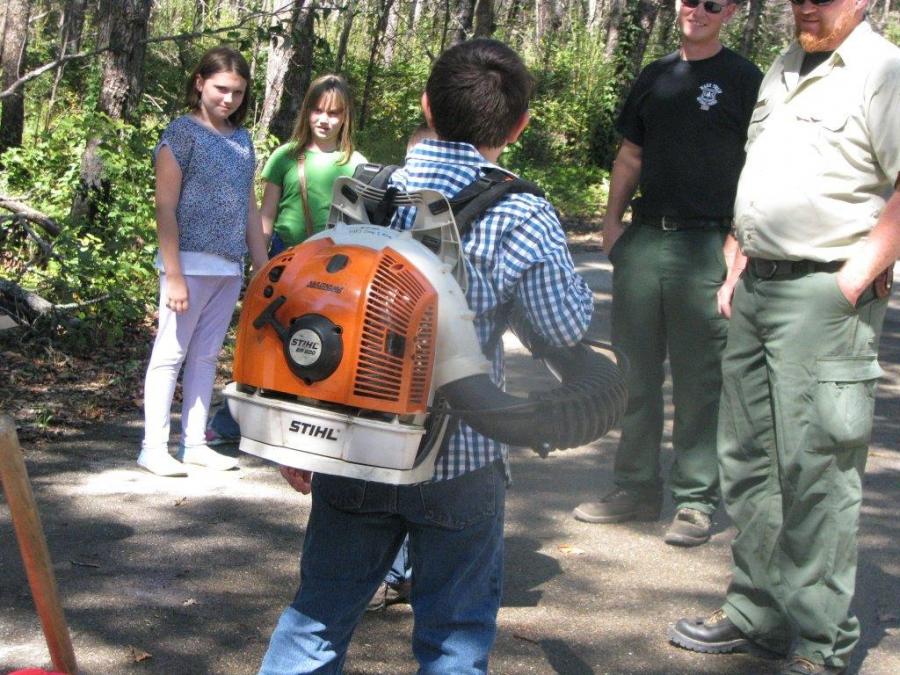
384,314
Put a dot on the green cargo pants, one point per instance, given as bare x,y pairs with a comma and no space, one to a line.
664,302
798,395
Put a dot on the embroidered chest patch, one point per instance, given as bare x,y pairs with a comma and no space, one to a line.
708,94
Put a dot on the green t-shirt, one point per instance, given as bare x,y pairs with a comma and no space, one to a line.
322,168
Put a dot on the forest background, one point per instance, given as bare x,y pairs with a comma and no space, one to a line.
86,87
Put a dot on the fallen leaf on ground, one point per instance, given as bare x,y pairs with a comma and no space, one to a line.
179,502
188,602
82,563
138,655
569,549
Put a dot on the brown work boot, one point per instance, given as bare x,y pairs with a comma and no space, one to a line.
620,505
689,527
390,594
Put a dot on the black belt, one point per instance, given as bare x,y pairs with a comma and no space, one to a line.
762,268
673,224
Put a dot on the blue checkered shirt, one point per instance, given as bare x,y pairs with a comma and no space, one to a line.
517,249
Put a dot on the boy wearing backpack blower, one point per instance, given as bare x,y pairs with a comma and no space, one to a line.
476,100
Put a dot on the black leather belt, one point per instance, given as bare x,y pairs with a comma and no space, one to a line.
673,224
762,268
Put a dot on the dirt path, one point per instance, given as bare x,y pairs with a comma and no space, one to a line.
175,576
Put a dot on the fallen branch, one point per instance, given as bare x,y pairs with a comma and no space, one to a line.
26,306
49,225
45,246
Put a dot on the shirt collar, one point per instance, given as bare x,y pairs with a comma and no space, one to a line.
448,152
851,49
854,46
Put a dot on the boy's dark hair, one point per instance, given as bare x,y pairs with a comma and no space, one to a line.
220,60
477,91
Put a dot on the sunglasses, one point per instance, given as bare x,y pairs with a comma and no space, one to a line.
715,7
817,3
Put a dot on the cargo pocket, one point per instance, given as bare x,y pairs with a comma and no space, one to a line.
844,401
344,494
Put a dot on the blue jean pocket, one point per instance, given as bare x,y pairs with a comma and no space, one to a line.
460,502
344,494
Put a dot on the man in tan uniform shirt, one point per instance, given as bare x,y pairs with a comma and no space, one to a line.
817,216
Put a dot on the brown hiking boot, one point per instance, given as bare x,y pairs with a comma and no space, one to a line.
689,527
620,505
390,594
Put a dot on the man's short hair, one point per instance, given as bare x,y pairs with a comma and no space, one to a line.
478,91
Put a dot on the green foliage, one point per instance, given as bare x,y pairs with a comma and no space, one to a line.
892,28
394,109
104,269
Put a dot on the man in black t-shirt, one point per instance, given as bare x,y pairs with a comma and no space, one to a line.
684,127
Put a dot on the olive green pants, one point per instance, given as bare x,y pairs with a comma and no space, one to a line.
798,394
664,303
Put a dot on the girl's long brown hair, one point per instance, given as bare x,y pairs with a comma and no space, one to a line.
330,86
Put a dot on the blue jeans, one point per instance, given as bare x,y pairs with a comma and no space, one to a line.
355,528
401,569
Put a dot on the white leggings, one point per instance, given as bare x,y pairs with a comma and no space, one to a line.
193,339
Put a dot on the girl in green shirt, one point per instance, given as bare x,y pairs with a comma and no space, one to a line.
297,195
299,175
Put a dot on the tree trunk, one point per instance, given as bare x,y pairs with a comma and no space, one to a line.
71,25
380,27
613,24
415,10
391,33
512,14
751,28
124,29
643,17
666,21
633,34
349,15
12,62
288,72
465,12
549,18
484,18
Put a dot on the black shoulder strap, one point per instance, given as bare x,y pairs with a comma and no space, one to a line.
476,198
468,206
376,175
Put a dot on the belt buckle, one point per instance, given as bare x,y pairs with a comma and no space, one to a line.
666,227
765,269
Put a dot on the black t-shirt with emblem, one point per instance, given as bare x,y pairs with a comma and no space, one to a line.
690,119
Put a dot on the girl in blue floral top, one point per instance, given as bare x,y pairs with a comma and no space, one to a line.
207,219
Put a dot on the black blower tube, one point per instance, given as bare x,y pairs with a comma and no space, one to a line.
588,403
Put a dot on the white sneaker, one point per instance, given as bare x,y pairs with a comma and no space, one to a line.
203,455
161,463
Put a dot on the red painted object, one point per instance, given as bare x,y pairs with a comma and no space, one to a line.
35,671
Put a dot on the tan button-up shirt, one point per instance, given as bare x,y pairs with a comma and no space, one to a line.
823,152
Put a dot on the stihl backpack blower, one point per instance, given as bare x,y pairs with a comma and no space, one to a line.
356,349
